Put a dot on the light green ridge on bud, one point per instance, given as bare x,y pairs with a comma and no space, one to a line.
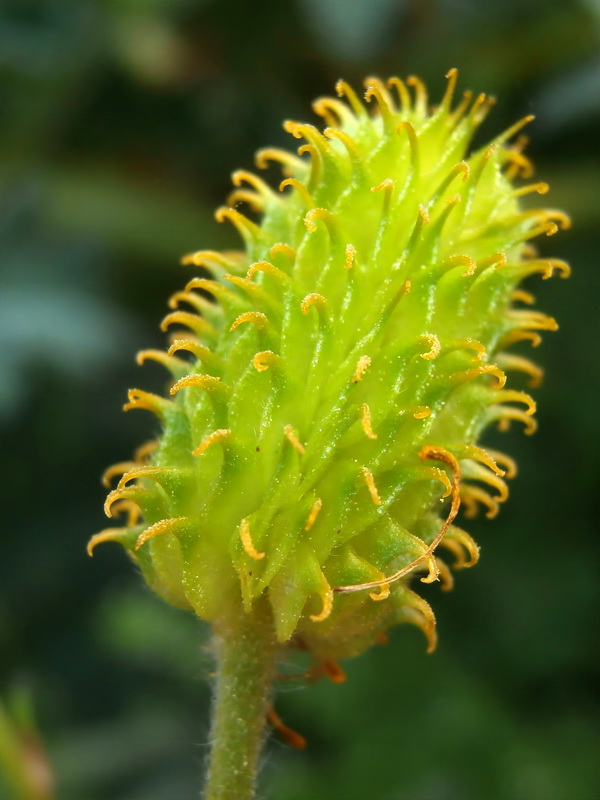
323,422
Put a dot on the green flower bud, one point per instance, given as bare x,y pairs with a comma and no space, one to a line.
323,422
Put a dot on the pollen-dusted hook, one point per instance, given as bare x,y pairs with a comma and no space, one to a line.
362,365
220,436
247,543
173,526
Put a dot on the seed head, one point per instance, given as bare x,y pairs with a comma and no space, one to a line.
332,379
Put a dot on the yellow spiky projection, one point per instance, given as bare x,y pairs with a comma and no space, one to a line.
328,399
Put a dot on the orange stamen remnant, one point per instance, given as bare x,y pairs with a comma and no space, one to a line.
362,365
365,419
371,486
434,344
293,439
219,436
289,736
247,542
333,671
313,514
429,452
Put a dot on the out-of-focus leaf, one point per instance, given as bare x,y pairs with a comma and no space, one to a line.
570,98
92,759
351,29
577,189
139,629
64,327
24,767
142,217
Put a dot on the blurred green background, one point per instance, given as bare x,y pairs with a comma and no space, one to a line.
120,122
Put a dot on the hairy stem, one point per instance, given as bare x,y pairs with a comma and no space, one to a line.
246,655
